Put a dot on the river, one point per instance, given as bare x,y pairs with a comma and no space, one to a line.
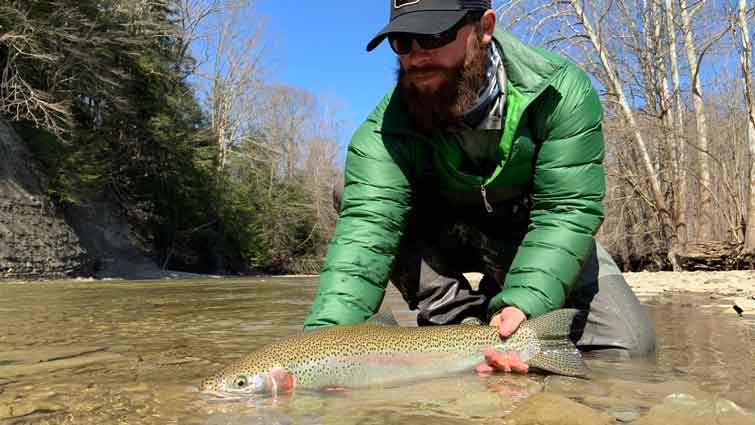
117,352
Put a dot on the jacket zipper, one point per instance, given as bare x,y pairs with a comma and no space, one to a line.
488,207
484,193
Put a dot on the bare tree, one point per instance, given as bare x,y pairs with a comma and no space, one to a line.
619,44
745,54
288,117
664,138
56,54
191,18
234,75
321,163
616,87
676,117
290,161
22,46
705,230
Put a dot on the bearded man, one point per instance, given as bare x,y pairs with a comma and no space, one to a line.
486,157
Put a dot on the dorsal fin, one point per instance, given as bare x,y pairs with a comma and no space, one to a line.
383,318
553,325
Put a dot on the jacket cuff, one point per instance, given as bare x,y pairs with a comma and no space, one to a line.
336,303
521,298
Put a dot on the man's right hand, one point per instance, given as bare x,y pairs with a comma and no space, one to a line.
507,321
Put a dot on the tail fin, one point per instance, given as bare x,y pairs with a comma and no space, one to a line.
557,353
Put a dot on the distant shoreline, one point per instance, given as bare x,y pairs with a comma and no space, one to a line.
724,289
645,284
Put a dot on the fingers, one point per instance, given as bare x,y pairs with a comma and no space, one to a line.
484,369
507,327
509,320
507,362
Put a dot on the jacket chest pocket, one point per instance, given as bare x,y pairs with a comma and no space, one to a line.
520,164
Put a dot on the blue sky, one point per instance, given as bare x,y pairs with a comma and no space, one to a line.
320,46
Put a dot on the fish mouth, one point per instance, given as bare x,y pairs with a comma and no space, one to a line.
225,396
215,388
218,389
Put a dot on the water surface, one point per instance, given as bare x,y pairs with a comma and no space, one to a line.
135,352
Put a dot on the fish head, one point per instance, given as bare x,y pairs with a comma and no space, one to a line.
235,381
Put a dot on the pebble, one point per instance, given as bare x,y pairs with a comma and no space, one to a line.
689,410
553,409
26,408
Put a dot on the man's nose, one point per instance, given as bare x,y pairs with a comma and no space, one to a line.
418,56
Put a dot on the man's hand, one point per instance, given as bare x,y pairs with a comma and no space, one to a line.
507,321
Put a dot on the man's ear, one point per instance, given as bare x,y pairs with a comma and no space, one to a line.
488,25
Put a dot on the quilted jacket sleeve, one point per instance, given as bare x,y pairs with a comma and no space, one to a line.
568,189
376,201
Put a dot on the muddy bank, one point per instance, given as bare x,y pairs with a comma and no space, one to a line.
35,239
39,240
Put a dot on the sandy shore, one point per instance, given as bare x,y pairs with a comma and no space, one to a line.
648,284
733,291
726,284
729,284
725,288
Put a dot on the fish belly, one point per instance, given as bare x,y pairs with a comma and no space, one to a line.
377,369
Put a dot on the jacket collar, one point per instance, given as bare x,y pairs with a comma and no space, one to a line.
528,68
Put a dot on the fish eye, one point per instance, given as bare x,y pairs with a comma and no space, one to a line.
241,382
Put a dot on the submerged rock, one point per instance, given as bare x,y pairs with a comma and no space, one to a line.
553,409
688,410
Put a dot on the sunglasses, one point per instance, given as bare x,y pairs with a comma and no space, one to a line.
401,43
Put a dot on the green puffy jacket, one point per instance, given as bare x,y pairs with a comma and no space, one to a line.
552,148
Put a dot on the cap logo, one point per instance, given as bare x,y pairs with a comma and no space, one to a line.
398,4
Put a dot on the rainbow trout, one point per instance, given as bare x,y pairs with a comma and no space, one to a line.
379,352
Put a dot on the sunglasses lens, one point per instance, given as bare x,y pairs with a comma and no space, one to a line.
401,44
431,42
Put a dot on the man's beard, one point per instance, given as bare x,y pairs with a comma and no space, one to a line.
438,108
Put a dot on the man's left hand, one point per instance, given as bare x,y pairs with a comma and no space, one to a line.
507,321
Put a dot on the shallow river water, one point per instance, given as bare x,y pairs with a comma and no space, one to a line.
134,353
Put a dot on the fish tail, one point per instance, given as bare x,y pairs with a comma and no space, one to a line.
558,354
560,357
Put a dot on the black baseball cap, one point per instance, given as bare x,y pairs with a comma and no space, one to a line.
426,16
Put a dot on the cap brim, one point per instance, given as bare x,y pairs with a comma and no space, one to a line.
421,22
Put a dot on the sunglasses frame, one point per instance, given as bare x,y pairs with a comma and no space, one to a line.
401,43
